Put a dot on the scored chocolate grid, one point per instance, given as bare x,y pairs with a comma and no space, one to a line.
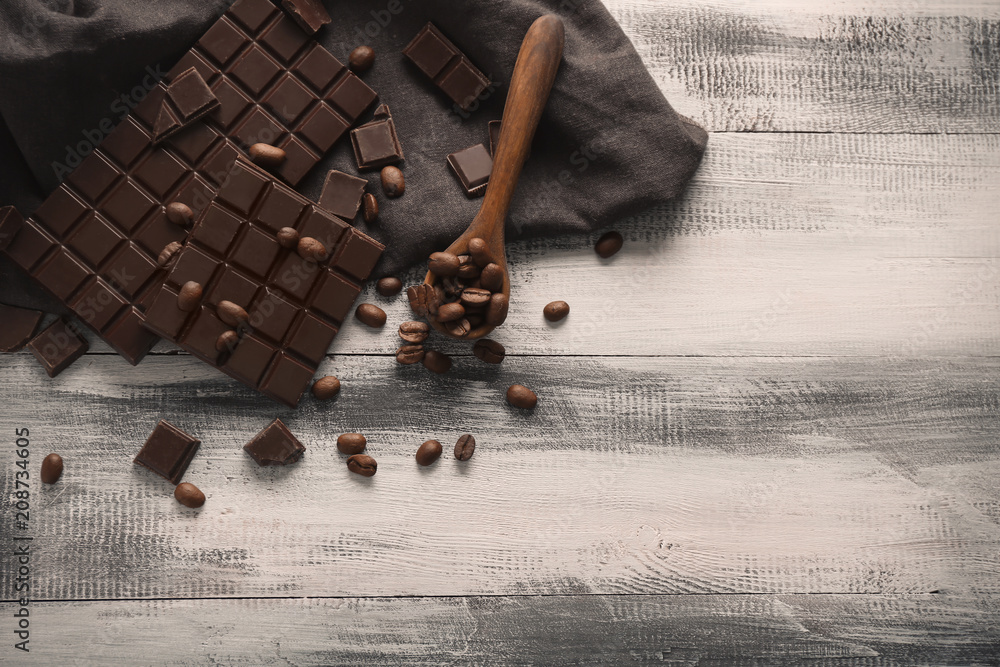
295,307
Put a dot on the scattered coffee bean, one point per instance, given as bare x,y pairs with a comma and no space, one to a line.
180,214
609,244
52,468
489,351
326,388
465,447
267,156
168,253
351,443
227,341
414,332
555,311
443,264
311,249
288,237
189,495
370,208
480,252
450,312
389,286
475,297
496,312
459,328
362,58
410,354
362,464
393,182
436,362
190,296
521,397
231,313
491,278
429,452
370,315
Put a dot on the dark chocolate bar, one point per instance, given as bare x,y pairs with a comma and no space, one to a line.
94,242
376,144
187,99
448,67
293,306
275,446
19,326
58,347
472,166
309,14
342,194
168,452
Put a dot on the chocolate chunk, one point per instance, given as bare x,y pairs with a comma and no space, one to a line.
57,347
168,452
494,127
342,194
187,99
309,14
472,166
275,446
10,224
376,144
19,325
448,67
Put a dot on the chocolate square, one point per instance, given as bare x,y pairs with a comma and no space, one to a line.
60,211
255,252
130,338
472,166
255,70
323,227
192,265
275,446
57,347
193,141
249,360
335,297
160,172
342,194
259,128
319,68
232,103
252,14
323,128
63,274
95,239
289,99
242,189
168,452
286,380
235,287
216,229
164,315
204,333
281,209
94,176
351,97
358,255
98,304
20,325
222,41
285,39
126,142
299,160
376,144
157,233
127,206
311,338
29,245
129,270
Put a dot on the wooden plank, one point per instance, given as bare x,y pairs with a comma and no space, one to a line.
634,475
843,66
835,630
785,244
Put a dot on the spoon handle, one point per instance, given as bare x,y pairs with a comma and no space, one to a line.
534,72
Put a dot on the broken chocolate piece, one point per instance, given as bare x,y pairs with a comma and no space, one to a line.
450,70
10,224
342,194
187,99
275,446
376,144
58,347
472,166
167,452
19,325
309,14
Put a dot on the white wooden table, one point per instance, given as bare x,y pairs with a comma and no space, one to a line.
767,433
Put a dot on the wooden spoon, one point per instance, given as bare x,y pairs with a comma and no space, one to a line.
534,72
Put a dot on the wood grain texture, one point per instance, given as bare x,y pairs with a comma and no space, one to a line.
845,66
745,630
658,475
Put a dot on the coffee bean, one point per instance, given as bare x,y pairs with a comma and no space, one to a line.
180,214
393,182
370,315
414,332
52,468
351,443
418,300
288,238
362,58
436,362
389,286
451,288
443,264
496,312
459,328
450,312
231,313
521,397
555,311
410,354
465,447
609,244
363,465
491,278
468,271
190,296
189,495
311,249
489,351
473,297
370,208
326,388
429,452
168,253
267,156
480,252
227,341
